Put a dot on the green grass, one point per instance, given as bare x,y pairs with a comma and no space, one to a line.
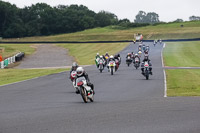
11,49
85,54
182,54
112,33
183,82
15,75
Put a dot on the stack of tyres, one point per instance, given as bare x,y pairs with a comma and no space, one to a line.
19,56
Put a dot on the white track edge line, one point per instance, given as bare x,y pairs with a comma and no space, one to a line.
165,80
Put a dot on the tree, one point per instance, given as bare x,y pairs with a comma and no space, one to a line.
194,18
143,17
178,20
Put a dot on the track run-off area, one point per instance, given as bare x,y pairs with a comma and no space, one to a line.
124,102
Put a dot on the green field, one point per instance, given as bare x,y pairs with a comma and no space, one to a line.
12,49
14,75
183,82
85,54
182,54
115,33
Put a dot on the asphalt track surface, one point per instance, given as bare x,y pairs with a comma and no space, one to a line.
124,103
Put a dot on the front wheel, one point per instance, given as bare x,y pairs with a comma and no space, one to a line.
84,95
128,64
101,70
111,71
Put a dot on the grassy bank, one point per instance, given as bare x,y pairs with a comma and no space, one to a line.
183,82
182,54
11,49
15,75
115,33
85,54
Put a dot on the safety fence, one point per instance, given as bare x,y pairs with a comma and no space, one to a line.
13,59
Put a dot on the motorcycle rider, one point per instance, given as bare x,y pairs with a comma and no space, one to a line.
110,59
73,68
81,73
116,61
146,59
104,62
147,48
107,54
132,55
97,56
119,58
128,55
97,59
136,58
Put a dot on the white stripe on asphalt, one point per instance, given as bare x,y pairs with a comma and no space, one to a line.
165,81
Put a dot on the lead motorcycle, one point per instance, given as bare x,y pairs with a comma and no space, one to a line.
112,67
86,91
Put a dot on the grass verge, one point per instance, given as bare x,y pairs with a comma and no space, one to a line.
11,49
183,82
8,76
182,54
85,54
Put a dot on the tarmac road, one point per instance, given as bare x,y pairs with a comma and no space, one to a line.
124,102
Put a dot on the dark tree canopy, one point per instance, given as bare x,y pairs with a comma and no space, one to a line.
41,19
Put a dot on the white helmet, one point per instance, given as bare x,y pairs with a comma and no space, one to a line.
111,56
97,53
79,71
101,56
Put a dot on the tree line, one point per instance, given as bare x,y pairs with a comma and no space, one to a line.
41,19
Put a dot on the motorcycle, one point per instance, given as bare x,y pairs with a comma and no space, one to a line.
86,91
101,65
72,77
96,61
112,66
146,70
128,60
137,64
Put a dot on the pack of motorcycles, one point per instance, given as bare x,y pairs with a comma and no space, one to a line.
87,93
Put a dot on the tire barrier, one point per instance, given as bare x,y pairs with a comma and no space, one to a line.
19,57
13,59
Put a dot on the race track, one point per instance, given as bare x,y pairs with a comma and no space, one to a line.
124,103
